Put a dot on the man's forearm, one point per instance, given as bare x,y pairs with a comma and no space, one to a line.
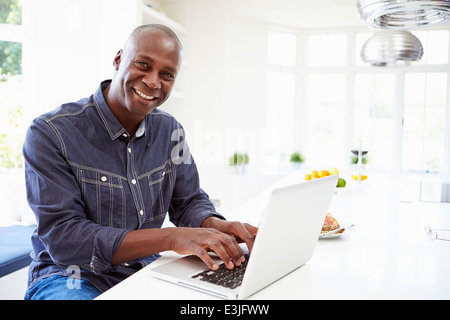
142,243
145,242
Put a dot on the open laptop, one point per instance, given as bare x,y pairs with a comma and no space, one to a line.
288,232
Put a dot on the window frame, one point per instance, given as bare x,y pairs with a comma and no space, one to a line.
352,67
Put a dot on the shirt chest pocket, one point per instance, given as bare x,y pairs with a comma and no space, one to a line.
104,197
159,186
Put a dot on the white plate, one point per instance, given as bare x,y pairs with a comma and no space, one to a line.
337,235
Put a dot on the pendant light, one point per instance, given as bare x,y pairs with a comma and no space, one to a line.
392,48
404,14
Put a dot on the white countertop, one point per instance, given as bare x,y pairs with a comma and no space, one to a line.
386,255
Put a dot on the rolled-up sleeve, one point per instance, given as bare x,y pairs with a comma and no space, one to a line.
190,205
54,195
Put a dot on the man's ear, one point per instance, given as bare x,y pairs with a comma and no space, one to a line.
117,59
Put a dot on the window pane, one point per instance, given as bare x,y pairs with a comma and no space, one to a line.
11,122
325,112
282,48
435,46
11,11
327,50
281,114
10,59
374,107
424,121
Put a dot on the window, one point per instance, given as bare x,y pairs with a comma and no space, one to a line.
11,85
399,114
424,121
281,94
281,113
12,128
325,110
435,46
373,116
327,50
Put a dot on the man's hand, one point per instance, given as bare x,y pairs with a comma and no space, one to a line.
216,235
242,232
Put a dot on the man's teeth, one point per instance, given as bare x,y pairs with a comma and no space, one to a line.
142,95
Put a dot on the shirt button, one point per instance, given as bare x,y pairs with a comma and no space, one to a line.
141,212
129,150
133,181
104,178
125,135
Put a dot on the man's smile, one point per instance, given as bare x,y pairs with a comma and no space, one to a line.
143,95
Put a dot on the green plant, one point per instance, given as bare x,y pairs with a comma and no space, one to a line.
11,138
297,157
10,52
354,160
238,158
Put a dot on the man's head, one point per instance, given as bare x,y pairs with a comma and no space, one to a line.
146,69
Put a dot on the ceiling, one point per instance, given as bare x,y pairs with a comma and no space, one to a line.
301,13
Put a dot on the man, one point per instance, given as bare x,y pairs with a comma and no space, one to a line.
101,173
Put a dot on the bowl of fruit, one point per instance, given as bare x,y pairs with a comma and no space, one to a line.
317,174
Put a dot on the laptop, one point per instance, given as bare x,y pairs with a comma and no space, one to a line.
288,233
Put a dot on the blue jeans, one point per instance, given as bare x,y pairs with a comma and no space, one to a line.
61,288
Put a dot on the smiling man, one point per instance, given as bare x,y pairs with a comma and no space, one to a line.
101,175
145,74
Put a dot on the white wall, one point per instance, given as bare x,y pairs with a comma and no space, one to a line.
228,81
71,48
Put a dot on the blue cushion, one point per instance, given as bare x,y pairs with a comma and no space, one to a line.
15,248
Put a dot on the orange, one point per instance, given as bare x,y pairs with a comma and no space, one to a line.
314,174
323,173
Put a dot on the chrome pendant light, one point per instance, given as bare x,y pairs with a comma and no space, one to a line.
392,48
404,14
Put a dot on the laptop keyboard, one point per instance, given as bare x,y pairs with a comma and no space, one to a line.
223,276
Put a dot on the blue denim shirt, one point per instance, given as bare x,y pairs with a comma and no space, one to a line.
88,183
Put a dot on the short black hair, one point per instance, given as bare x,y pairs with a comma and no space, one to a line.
158,27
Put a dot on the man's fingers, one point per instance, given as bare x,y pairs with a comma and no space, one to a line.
245,233
203,254
224,244
227,248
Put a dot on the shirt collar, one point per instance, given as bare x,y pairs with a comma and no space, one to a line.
112,125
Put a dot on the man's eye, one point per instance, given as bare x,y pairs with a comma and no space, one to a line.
142,64
168,75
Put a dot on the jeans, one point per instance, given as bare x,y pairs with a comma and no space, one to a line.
61,288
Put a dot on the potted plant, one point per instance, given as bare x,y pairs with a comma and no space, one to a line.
239,160
297,159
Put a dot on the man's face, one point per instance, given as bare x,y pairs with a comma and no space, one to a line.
145,72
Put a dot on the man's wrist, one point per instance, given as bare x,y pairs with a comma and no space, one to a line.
210,221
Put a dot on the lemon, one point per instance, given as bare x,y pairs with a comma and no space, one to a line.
314,174
333,171
363,177
307,177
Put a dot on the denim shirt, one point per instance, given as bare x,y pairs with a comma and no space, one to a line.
89,183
